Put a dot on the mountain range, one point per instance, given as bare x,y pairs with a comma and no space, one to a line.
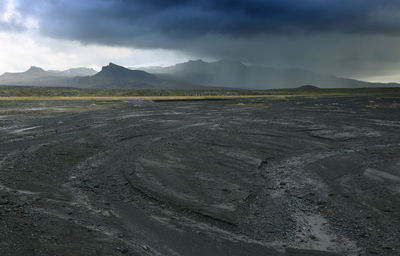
235,74
189,75
111,76
72,72
33,76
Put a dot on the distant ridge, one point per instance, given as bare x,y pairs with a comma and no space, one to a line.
116,71
194,74
230,73
115,76
110,76
73,72
33,76
307,87
34,70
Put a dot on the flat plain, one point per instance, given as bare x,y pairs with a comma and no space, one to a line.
311,175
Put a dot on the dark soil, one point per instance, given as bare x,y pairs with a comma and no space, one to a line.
295,176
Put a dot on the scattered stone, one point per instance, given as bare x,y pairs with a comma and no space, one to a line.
4,201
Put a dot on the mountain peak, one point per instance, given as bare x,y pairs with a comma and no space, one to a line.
307,87
193,63
124,74
230,62
113,67
197,61
35,69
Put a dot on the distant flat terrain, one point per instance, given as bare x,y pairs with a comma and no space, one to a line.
70,93
310,175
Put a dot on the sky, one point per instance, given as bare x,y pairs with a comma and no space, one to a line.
350,38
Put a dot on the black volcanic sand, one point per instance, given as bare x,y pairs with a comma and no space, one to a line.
288,176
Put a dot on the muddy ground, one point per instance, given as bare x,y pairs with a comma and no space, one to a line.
288,176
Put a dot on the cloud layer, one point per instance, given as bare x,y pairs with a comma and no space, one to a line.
173,23
354,37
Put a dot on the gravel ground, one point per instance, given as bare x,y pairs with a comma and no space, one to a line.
284,176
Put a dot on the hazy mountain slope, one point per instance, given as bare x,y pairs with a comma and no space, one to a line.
73,72
236,74
114,76
111,76
188,75
34,76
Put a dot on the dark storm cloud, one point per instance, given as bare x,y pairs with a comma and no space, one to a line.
169,24
349,37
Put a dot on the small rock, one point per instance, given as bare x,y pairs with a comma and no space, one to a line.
226,190
4,201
